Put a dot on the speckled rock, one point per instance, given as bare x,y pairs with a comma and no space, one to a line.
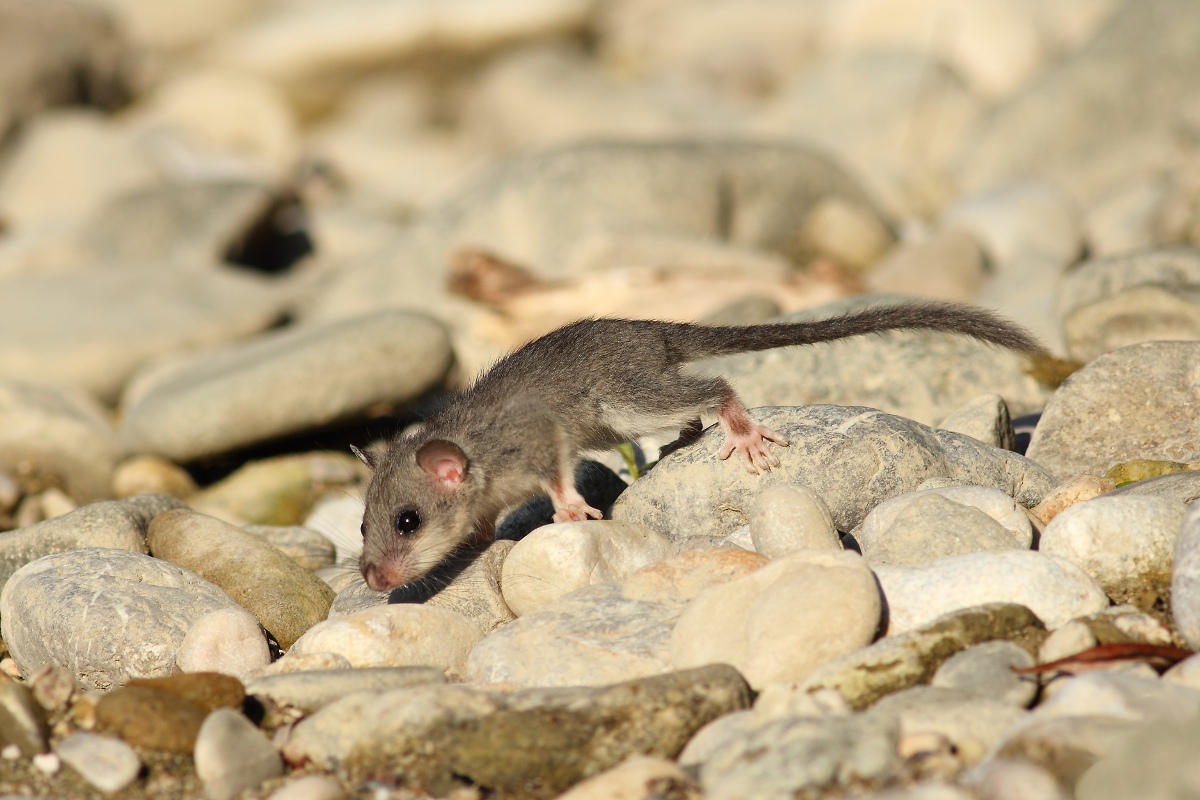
286,599
853,458
785,519
1136,402
226,399
314,689
971,723
987,670
927,527
233,755
228,640
141,610
1185,578
985,418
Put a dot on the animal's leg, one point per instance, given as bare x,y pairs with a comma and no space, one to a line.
748,437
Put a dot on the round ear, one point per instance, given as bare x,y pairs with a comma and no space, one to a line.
444,462
366,457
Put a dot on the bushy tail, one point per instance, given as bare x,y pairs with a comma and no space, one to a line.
701,342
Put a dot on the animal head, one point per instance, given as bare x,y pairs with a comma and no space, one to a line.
418,510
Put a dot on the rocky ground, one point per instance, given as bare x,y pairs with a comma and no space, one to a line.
238,237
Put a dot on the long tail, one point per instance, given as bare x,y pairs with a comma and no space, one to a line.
701,342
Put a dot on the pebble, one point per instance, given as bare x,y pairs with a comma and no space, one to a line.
233,755
985,418
1185,578
309,549
776,624
1127,544
1013,779
23,721
150,718
286,599
1126,772
108,764
140,611
1017,220
1053,588
1122,695
785,519
394,636
986,670
228,640
853,458
151,475
314,689
635,778
948,264
556,559
1071,491
970,722
916,529
310,787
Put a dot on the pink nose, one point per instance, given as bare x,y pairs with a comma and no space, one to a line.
378,578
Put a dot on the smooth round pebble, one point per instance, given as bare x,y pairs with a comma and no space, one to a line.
1185,578
929,527
784,519
228,640
985,418
149,474
233,755
986,670
106,763
635,778
310,787
1073,490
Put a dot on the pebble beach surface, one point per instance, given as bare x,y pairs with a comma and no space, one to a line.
237,238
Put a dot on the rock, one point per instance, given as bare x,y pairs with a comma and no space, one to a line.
901,660
986,670
112,332
556,559
1185,578
310,787
207,691
552,738
1054,589
849,234
785,519
140,612
1071,491
922,375
283,489
1125,696
777,623
233,755
928,527
1019,220
1109,303
315,689
1127,544
106,763
1125,772
1124,220
23,721
309,549
853,458
112,523
783,758
1182,487
228,640
150,718
64,433
636,778
1065,746
1135,402
994,503
1013,779
226,399
395,636
309,662
151,475
286,599
985,418
971,723
948,265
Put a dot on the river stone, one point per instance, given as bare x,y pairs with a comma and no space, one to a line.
1066,746
778,623
922,375
23,721
286,599
1136,402
1001,507
1152,763
946,265
64,433
150,718
532,743
1019,220
1126,543
1185,578
556,559
785,519
636,778
1073,490
233,755
985,418
853,458
1182,487
138,611
229,398
928,527
315,689
306,547
113,333
108,764
987,670
971,723
1055,590
120,524
1110,303
901,660
229,641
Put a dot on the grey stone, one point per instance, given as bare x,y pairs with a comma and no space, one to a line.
105,614
1126,543
987,670
971,723
923,375
122,319
230,398
785,519
306,547
1066,746
1183,487
22,720
903,660
853,458
1136,402
985,418
314,689
948,265
1018,220
1013,779
1053,588
1109,303
1185,578
112,523
1154,762
534,742
106,763
1122,695
932,526
232,755
64,433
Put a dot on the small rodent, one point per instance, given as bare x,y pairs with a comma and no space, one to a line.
589,385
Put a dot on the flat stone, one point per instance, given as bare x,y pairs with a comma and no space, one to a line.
928,527
230,398
1185,578
233,755
1136,402
315,689
139,611
785,519
23,721
987,670
108,764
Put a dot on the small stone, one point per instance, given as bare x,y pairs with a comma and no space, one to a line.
972,723
310,787
784,519
232,755
987,670
53,688
309,549
22,721
847,233
205,690
106,763
1072,638
636,778
150,718
314,689
1020,219
948,265
1013,779
1185,578
47,763
985,418
149,474
929,527
1071,491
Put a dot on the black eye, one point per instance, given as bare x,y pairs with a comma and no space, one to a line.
408,520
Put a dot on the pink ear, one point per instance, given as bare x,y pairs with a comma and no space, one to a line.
444,462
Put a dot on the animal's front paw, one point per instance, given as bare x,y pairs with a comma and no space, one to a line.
751,445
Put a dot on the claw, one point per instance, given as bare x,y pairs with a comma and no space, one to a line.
749,438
